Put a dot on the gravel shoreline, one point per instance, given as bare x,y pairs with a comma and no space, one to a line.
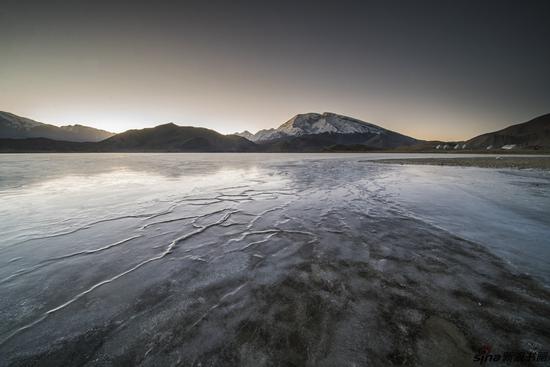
483,162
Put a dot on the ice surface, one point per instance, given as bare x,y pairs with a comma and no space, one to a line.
164,259
506,210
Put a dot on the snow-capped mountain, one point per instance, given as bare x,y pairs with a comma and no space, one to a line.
315,123
17,127
310,132
245,134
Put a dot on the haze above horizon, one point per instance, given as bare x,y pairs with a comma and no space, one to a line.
432,70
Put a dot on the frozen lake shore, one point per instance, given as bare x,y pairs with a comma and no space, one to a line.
260,260
525,162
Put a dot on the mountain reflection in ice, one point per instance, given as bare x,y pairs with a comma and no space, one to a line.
91,241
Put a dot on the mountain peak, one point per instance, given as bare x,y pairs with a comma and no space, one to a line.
17,122
312,123
173,138
534,133
17,127
167,125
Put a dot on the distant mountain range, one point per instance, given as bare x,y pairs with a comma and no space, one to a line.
173,138
531,134
16,127
311,132
162,138
314,123
317,132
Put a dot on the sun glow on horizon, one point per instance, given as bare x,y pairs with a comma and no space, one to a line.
418,127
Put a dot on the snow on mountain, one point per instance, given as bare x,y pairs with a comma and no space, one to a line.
315,123
269,134
245,134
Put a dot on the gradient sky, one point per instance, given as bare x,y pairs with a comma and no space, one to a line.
429,69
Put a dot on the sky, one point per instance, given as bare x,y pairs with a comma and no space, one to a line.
441,69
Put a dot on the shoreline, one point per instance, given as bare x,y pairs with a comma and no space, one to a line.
542,163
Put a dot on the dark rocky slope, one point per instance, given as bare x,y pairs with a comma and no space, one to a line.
16,127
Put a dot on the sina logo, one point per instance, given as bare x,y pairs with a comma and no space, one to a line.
484,355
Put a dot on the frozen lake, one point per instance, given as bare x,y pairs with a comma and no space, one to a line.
142,258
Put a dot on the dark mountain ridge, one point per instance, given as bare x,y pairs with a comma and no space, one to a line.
17,127
173,138
534,133
162,138
302,133
326,141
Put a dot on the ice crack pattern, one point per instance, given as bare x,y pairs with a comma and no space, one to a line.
244,256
